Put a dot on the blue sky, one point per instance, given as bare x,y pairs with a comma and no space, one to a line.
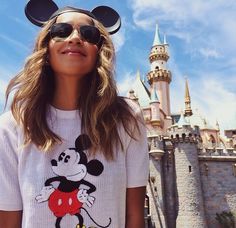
201,35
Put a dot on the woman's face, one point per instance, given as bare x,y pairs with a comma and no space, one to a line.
73,56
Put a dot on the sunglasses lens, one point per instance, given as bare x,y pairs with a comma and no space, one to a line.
61,30
90,33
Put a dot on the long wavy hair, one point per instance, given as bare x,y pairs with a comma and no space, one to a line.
102,109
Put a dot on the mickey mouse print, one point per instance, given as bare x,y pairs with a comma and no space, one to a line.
70,168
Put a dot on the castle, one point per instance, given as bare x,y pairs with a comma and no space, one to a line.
192,167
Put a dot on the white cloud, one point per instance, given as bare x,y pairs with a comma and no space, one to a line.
217,102
125,83
119,38
207,52
210,96
204,23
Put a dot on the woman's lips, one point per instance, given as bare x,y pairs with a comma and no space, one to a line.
74,52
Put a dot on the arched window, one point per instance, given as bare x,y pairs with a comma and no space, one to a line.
212,139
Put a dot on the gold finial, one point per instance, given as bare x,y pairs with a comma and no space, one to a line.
188,109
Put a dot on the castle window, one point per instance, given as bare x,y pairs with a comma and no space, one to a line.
190,168
157,67
212,139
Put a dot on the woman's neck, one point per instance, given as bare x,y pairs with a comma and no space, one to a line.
66,93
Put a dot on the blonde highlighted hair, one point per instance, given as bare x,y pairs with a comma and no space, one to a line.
102,109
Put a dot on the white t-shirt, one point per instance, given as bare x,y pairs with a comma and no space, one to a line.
65,185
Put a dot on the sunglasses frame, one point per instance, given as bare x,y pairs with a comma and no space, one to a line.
79,30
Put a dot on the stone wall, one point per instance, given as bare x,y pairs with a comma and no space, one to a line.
218,179
189,190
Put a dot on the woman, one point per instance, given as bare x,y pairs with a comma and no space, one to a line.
73,153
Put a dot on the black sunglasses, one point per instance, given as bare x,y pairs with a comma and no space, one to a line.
89,33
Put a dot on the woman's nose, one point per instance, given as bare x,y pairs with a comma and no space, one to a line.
75,36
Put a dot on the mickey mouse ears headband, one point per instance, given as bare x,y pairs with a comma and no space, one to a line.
39,12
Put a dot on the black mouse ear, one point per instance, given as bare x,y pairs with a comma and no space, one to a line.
39,11
108,17
95,167
82,142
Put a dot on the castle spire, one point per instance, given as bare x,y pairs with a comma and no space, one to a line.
217,125
138,74
165,42
157,40
188,109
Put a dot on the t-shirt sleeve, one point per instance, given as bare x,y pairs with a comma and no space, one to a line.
137,158
10,197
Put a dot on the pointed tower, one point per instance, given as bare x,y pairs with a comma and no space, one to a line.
188,109
182,121
159,76
155,109
217,126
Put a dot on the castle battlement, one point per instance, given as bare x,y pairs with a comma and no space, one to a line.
212,153
184,134
157,55
160,75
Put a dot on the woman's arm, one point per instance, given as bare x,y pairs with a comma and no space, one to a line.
135,207
10,219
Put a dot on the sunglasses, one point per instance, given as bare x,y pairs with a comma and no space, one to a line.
89,33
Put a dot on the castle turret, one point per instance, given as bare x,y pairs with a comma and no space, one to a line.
133,96
182,121
159,76
188,109
189,190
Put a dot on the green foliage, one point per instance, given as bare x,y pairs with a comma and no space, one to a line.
226,219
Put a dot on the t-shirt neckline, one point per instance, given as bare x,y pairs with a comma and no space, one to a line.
64,114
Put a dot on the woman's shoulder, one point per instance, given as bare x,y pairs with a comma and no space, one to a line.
7,121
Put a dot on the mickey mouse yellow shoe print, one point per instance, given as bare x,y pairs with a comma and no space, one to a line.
78,226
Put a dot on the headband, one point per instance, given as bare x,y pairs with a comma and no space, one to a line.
39,12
